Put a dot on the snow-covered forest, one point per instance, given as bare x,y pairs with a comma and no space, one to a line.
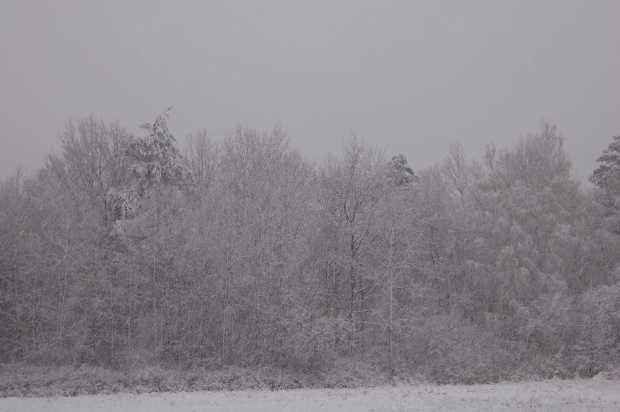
128,251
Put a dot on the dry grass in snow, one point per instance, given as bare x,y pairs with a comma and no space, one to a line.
552,395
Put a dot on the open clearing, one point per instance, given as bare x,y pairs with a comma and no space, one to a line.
552,395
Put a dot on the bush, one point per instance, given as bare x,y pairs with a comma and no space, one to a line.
458,351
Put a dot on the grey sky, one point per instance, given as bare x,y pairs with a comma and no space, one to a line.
406,76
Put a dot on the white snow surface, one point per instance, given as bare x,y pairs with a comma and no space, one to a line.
552,395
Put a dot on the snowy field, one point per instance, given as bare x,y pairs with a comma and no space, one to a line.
554,395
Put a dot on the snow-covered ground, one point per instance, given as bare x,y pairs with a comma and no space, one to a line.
554,395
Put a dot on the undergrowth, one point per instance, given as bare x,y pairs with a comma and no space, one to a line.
20,380
23,380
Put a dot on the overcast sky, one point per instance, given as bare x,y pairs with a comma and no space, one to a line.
406,76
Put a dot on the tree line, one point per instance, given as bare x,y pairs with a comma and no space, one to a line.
125,251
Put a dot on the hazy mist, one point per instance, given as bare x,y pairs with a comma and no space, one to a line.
406,76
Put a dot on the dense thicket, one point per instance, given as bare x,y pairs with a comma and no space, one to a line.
121,252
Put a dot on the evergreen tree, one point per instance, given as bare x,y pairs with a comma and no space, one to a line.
399,172
607,175
156,159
